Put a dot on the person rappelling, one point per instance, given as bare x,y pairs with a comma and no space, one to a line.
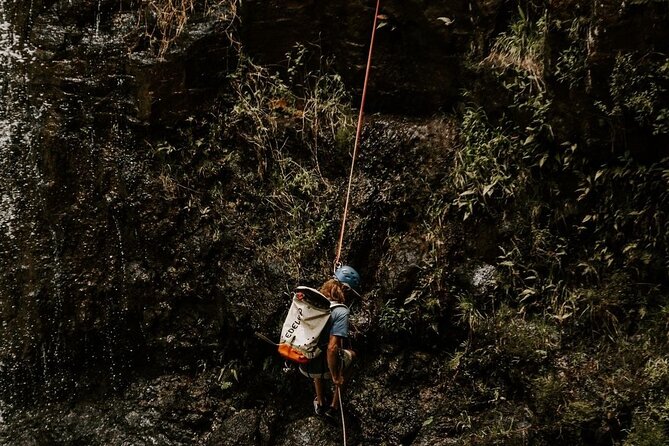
336,356
315,334
335,364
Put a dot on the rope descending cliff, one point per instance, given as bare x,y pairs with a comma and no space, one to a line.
358,131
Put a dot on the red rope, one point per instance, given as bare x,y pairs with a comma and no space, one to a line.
357,137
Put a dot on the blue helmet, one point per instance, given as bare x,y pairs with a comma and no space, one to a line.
349,276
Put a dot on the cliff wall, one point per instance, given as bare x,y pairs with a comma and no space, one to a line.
170,170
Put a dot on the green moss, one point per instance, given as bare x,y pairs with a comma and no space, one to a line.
646,432
548,394
579,412
527,339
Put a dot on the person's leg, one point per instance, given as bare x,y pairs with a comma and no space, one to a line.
335,398
318,385
316,369
348,357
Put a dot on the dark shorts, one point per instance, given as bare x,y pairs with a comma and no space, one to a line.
318,367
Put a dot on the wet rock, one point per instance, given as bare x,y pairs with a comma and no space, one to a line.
415,64
313,431
240,429
393,391
483,279
399,272
168,410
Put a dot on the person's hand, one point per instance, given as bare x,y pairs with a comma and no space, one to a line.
338,381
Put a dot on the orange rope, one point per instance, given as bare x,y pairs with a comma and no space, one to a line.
357,138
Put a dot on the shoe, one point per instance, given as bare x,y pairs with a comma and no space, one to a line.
331,413
318,409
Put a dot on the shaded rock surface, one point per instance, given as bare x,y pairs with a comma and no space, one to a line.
314,431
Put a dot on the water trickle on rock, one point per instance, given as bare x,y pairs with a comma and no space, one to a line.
22,204
97,18
8,122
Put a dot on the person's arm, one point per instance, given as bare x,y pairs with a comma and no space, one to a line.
334,364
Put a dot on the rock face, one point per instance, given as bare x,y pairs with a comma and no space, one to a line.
143,239
416,72
88,107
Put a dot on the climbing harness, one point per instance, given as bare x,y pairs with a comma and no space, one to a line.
357,139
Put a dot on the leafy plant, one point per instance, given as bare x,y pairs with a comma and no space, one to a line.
164,21
486,166
396,320
493,164
639,85
469,314
571,64
521,48
286,119
312,104
630,224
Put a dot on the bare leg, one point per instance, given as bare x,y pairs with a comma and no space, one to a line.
318,385
335,398
347,373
